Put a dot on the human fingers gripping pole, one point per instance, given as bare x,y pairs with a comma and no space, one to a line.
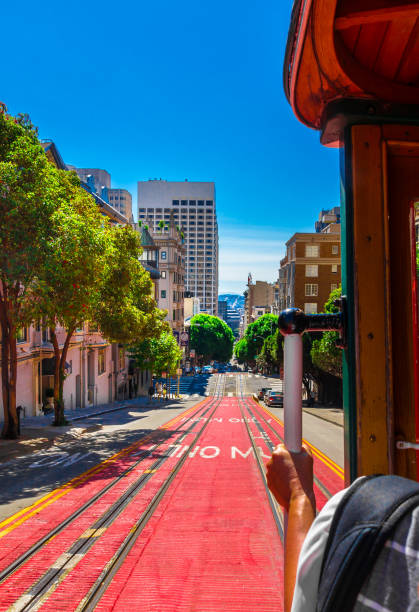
293,380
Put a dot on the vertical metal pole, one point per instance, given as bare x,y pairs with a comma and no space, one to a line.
293,380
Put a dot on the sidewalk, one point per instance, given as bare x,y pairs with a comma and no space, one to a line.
38,433
332,415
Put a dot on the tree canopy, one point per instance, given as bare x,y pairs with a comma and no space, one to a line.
159,354
324,353
211,337
257,332
26,206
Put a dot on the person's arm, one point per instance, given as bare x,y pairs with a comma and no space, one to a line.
290,478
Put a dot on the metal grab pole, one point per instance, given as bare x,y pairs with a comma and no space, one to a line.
292,324
293,380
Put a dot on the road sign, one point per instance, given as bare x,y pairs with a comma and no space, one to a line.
184,339
192,353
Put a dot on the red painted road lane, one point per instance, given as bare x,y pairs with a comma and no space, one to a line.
77,583
48,516
212,544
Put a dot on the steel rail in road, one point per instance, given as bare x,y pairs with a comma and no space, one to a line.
276,511
42,586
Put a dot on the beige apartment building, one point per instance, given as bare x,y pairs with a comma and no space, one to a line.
261,297
121,200
310,270
172,273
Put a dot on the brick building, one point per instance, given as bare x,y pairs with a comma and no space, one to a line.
310,270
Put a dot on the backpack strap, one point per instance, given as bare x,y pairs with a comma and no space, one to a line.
365,518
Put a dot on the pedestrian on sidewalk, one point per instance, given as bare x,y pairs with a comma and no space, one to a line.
165,392
150,392
159,390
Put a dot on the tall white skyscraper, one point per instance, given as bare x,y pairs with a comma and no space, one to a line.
193,206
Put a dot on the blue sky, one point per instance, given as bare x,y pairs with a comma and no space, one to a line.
177,90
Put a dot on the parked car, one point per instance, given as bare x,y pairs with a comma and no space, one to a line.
274,398
262,391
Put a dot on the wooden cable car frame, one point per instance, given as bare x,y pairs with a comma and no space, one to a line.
352,71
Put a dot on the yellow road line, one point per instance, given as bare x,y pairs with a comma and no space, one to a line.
324,458
56,494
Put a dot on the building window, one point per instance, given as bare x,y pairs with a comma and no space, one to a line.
163,274
310,307
174,315
200,202
101,361
208,202
192,202
312,250
163,255
333,287
335,249
22,334
334,268
312,289
312,270
163,293
184,202
175,202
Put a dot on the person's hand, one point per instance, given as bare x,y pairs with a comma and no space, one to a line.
290,475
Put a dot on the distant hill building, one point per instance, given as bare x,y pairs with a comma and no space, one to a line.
233,319
222,310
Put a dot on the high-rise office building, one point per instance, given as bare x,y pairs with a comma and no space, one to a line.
96,178
194,211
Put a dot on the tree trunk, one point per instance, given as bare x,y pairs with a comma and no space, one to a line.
8,379
9,371
59,376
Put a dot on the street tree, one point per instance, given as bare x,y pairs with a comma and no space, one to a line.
271,356
26,206
241,350
125,309
324,352
77,257
211,337
257,332
157,354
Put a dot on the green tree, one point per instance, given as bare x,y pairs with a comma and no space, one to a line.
211,337
158,354
124,307
76,259
324,353
25,210
241,350
257,332
271,356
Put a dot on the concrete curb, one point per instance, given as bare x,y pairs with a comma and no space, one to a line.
323,417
